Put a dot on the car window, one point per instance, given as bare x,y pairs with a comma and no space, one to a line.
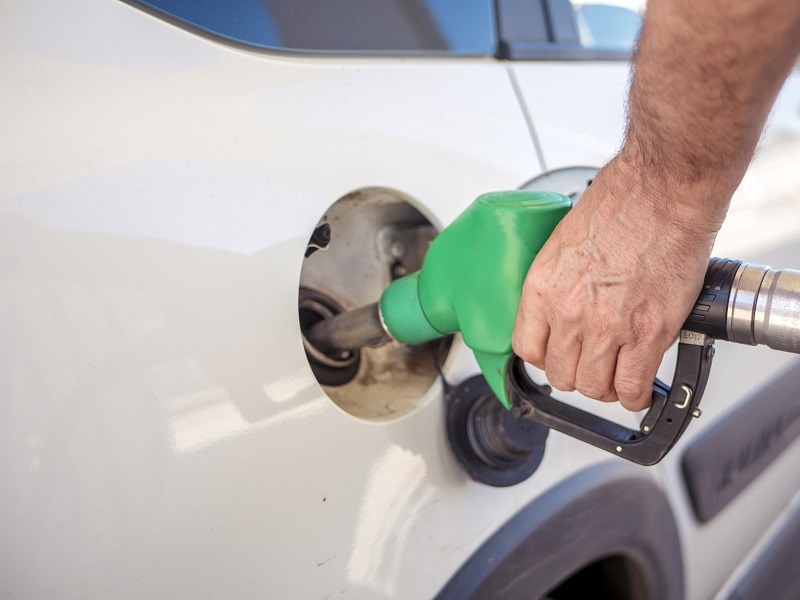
612,24
370,26
568,29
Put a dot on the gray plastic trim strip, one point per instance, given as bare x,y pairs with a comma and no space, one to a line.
719,466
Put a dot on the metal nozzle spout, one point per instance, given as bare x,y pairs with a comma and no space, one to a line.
350,330
774,309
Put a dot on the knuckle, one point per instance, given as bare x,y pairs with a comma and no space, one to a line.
605,320
561,381
528,348
567,313
535,358
645,326
529,354
635,405
630,390
594,389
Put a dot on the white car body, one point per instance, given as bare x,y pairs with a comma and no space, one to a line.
161,432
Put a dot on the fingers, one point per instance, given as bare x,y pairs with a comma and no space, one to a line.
531,336
601,370
596,369
555,353
636,369
561,362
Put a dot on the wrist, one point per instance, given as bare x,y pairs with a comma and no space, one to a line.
659,193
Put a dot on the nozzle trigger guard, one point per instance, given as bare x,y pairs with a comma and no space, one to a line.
671,412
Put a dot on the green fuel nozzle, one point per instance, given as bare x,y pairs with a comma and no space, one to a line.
472,276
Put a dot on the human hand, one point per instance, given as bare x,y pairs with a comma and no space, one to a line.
610,289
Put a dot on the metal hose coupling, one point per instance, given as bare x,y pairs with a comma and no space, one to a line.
764,308
749,304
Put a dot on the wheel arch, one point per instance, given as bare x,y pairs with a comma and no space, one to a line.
609,510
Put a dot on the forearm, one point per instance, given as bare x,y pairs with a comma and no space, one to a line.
706,74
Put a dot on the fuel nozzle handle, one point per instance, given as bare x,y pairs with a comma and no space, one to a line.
739,302
749,304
